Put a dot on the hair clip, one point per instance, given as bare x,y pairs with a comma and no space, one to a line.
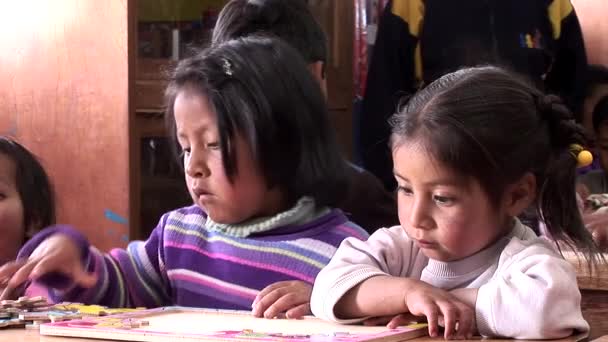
227,66
582,156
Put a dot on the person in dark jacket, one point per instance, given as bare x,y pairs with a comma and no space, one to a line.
420,40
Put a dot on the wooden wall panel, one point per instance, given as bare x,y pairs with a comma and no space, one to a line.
64,74
592,15
337,19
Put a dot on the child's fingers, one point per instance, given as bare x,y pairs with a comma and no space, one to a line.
450,317
299,311
264,302
52,263
382,320
431,313
7,270
465,323
402,319
20,277
284,303
268,289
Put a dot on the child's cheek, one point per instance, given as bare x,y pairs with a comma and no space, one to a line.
13,235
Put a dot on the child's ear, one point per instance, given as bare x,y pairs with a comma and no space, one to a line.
520,194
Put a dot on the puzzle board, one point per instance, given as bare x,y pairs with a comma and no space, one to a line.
191,324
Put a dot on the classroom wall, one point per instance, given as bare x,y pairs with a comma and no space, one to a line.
175,10
593,15
64,94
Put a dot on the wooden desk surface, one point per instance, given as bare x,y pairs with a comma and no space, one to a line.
23,335
598,280
594,291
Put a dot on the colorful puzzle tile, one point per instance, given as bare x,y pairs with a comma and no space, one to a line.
121,310
30,312
92,310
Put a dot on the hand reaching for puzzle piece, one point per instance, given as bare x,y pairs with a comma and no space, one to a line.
289,297
57,254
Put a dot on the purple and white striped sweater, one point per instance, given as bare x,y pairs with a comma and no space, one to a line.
182,263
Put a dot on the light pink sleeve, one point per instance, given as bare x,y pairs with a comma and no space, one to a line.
386,252
534,295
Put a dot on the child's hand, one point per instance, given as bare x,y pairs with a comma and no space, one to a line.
393,321
58,253
439,305
291,297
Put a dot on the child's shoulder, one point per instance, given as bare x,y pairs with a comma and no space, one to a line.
524,244
191,215
350,228
330,227
336,222
388,239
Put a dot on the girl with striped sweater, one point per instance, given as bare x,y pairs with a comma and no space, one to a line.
264,172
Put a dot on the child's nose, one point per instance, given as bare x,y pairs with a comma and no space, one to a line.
195,165
419,214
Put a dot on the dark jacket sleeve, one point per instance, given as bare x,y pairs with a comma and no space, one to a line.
390,77
567,75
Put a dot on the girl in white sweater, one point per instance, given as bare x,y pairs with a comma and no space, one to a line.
471,152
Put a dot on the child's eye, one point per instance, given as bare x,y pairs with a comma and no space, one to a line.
2,196
213,145
404,190
185,152
443,200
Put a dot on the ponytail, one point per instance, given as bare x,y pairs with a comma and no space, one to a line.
557,204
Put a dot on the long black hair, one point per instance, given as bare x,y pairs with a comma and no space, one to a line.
33,186
290,20
261,88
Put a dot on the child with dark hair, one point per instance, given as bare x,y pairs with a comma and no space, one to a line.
293,22
595,180
264,172
596,87
461,257
593,186
289,20
27,202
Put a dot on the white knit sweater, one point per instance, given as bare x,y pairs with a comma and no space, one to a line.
526,289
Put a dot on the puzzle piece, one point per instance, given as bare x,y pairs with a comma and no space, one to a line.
31,312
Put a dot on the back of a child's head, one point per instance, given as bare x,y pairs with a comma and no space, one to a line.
33,186
290,20
491,126
596,87
260,88
596,75
600,113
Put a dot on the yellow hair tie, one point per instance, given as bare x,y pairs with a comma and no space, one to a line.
582,156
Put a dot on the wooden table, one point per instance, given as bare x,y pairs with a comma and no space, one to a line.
22,335
594,291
